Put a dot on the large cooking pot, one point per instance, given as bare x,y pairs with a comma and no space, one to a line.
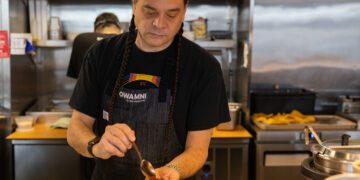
331,156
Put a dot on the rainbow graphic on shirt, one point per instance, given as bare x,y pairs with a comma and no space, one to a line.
145,77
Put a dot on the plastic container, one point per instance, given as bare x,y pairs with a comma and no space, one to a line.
282,100
55,28
24,123
234,109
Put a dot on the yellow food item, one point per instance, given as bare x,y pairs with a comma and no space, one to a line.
294,117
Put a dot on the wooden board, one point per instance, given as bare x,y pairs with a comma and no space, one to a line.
238,132
323,122
41,131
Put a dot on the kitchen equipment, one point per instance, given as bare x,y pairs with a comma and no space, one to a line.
330,157
217,34
307,131
349,104
271,145
145,166
281,100
234,109
323,122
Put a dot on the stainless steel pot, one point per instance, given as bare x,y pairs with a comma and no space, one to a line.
335,156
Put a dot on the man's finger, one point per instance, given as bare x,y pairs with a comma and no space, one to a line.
111,149
121,135
117,142
130,134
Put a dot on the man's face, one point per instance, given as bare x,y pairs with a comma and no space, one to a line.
158,21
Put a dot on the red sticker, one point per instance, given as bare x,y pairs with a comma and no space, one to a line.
4,44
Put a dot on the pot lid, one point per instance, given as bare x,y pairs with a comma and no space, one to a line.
335,151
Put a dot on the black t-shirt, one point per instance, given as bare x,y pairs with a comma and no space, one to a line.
201,101
81,45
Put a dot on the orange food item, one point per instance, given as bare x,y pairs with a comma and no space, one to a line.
294,117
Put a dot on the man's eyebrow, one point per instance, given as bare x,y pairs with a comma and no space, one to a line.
174,10
146,6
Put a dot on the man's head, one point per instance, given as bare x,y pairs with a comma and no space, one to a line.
107,23
157,22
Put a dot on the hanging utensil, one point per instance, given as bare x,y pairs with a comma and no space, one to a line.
308,129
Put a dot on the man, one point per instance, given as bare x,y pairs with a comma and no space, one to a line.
151,87
106,25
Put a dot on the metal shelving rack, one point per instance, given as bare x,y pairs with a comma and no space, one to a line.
53,43
226,48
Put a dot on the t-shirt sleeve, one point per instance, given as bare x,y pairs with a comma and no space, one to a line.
210,106
86,97
73,68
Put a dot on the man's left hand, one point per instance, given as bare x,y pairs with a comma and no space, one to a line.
165,173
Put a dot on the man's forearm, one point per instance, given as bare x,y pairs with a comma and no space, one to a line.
190,161
78,136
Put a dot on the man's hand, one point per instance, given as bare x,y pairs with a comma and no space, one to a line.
116,141
165,173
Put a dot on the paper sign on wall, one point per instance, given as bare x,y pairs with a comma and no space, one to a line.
4,44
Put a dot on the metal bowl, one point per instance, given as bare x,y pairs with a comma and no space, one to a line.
335,160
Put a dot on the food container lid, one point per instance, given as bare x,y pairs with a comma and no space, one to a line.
334,150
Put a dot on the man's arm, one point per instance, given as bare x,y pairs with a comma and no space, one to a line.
192,159
115,141
80,132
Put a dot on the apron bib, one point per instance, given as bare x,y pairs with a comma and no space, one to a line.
146,112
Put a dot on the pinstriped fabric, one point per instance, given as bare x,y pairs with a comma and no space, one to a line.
149,119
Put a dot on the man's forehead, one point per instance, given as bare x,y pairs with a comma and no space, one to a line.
168,5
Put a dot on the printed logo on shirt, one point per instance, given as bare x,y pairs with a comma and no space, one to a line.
133,97
145,77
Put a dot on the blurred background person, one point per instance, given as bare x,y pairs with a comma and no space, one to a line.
106,25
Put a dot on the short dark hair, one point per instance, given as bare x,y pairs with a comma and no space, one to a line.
106,19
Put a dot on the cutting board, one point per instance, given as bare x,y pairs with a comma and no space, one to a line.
323,122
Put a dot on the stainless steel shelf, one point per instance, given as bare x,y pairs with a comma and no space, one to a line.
217,44
53,43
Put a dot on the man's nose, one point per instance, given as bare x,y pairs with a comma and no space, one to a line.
159,22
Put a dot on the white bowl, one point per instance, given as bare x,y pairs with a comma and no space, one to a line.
24,122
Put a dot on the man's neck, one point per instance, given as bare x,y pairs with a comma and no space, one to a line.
142,45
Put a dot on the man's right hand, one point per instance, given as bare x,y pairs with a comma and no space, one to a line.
116,141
